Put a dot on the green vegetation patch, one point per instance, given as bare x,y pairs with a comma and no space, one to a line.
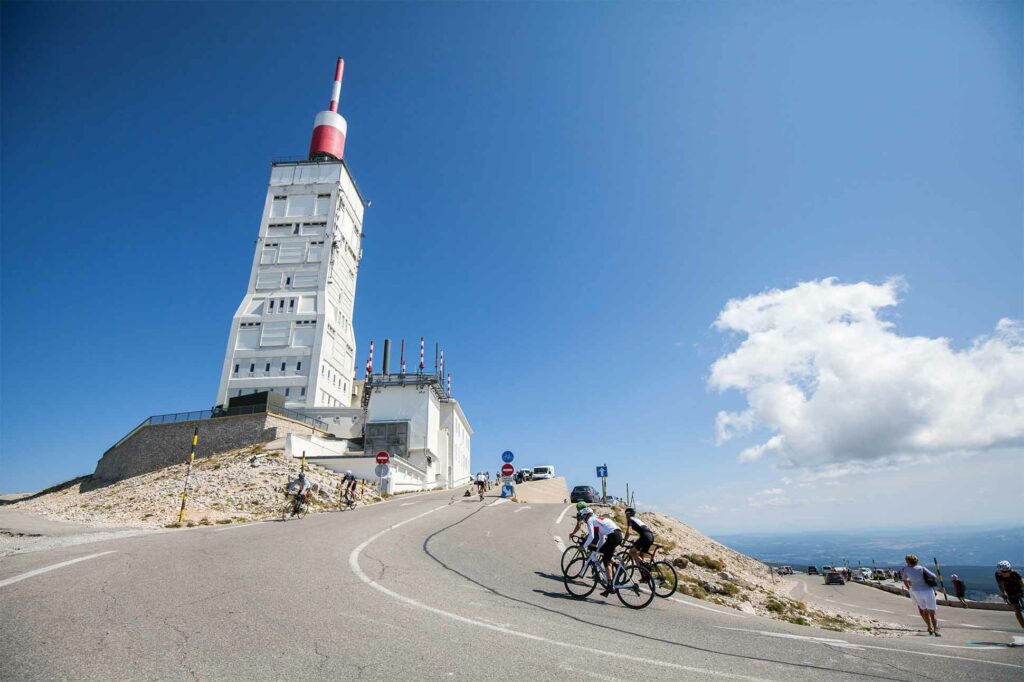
704,561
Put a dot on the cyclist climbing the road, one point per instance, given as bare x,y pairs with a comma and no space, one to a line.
481,484
300,488
608,537
645,536
580,506
347,487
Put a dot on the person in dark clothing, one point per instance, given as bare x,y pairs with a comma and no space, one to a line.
959,589
1011,586
645,536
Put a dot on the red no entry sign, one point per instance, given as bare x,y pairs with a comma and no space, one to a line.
383,458
507,469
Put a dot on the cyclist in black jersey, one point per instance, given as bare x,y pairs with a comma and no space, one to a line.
645,536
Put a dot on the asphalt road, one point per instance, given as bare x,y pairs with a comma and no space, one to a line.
958,626
422,587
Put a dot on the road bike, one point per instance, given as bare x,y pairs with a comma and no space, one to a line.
295,505
662,572
573,551
631,583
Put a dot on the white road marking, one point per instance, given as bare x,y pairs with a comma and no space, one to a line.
406,504
520,509
844,644
558,541
562,515
500,500
409,497
1017,641
353,562
879,610
47,569
236,526
706,608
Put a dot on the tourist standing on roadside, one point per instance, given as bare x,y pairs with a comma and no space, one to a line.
1011,587
960,589
921,584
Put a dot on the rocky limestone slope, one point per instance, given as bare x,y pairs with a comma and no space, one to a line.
237,486
712,572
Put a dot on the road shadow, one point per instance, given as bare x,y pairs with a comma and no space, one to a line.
549,576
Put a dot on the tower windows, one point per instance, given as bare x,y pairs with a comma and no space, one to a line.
287,392
298,366
236,369
252,366
271,304
267,368
282,366
303,390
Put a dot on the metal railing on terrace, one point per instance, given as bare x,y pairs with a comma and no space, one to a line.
221,412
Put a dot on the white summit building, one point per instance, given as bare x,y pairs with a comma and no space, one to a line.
292,334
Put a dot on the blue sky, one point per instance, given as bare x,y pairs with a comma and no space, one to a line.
566,196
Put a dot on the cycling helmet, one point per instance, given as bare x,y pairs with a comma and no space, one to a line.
630,511
586,511
581,505
348,472
1004,566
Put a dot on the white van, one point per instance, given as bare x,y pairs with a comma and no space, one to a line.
540,473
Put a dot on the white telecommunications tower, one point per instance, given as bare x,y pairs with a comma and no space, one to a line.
292,333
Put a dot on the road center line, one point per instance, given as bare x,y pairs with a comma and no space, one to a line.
47,569
562,515
353,562
855,645
707,608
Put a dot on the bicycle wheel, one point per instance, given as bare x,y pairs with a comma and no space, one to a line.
637,588
579,578
664,576
570,553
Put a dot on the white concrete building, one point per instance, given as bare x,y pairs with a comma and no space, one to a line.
410,417
292,333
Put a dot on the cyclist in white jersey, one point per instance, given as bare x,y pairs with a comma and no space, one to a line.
608,538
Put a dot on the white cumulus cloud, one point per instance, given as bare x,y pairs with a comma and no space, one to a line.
834,387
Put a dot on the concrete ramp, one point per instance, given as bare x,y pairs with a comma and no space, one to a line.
549,491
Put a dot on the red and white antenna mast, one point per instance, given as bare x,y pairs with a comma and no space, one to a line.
329,128
369,362
421,354
403,356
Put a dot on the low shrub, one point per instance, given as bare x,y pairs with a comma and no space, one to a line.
730,589
775,606
705,561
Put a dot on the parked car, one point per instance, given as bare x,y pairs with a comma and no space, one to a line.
812,570
834,578
540,473
583,493
523,475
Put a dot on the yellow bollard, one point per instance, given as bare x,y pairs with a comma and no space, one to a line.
188,474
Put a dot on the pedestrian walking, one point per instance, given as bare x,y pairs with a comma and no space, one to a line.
959,589
1011,587
921,582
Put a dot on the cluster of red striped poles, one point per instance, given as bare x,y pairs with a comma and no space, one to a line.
369,362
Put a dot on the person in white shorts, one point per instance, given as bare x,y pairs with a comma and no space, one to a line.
921,584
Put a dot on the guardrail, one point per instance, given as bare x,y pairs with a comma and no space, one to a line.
215,413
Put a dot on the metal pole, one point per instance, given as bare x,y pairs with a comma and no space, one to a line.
188,474
938,572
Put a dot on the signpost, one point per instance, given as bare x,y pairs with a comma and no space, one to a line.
602,473
382,470
507,469
507,490
507,457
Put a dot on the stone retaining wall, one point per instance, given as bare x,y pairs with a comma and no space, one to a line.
159,445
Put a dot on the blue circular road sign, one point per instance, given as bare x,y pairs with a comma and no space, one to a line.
507,456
